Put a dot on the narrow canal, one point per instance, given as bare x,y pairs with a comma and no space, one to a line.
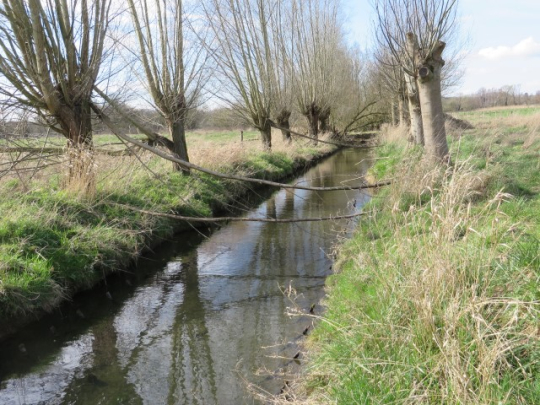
202,318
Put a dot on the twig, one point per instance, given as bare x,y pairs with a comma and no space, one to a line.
237,219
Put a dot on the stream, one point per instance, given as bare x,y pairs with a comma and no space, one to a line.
207,318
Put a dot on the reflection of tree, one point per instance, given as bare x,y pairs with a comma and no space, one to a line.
271,208
192,378
289,201
106,379
294,249
286,254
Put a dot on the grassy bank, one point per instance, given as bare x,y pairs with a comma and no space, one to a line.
436,297
53,242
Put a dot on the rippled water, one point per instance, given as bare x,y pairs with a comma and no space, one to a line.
206,316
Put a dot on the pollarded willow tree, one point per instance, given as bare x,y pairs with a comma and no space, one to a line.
282,92
50,57
413,31
395,59
274,54
243,46
317,37
174,74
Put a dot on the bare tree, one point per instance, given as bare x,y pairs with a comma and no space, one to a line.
388,74
283,48
243,48
357,104
413,31
394,57
50,57
174,74
317,35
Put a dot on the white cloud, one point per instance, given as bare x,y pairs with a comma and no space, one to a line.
527,47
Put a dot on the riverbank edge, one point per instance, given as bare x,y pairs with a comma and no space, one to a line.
339,370
300,164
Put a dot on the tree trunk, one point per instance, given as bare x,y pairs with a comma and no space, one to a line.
81,176
266,135
417,130
312,114
178,135
429,87
76,126
283,121
323,120
415,112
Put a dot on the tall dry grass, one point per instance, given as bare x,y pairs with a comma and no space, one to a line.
117,172
468,334
436,317
394,134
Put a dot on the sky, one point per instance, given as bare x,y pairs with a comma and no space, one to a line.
501,41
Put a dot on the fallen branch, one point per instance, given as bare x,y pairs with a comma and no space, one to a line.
344,145
118,132
237,219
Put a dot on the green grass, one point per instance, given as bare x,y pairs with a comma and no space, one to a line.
104,140
436,297
498,112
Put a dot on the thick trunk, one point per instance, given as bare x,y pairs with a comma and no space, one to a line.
324,116
415,112
178,135
312,114
266,135
393,113
81,176
429,88
283,121
417,129
76,126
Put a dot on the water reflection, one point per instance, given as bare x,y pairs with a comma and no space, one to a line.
211,314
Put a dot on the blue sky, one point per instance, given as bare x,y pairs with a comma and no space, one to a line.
502,41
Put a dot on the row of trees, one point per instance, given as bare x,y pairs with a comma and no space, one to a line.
62,59
410,43
279,57
504,96
67,61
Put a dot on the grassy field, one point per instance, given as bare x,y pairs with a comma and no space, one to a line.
54,242
436,298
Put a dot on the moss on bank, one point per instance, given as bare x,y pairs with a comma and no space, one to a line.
53,244
436,297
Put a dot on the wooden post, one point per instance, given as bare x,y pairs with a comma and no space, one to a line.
241,136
